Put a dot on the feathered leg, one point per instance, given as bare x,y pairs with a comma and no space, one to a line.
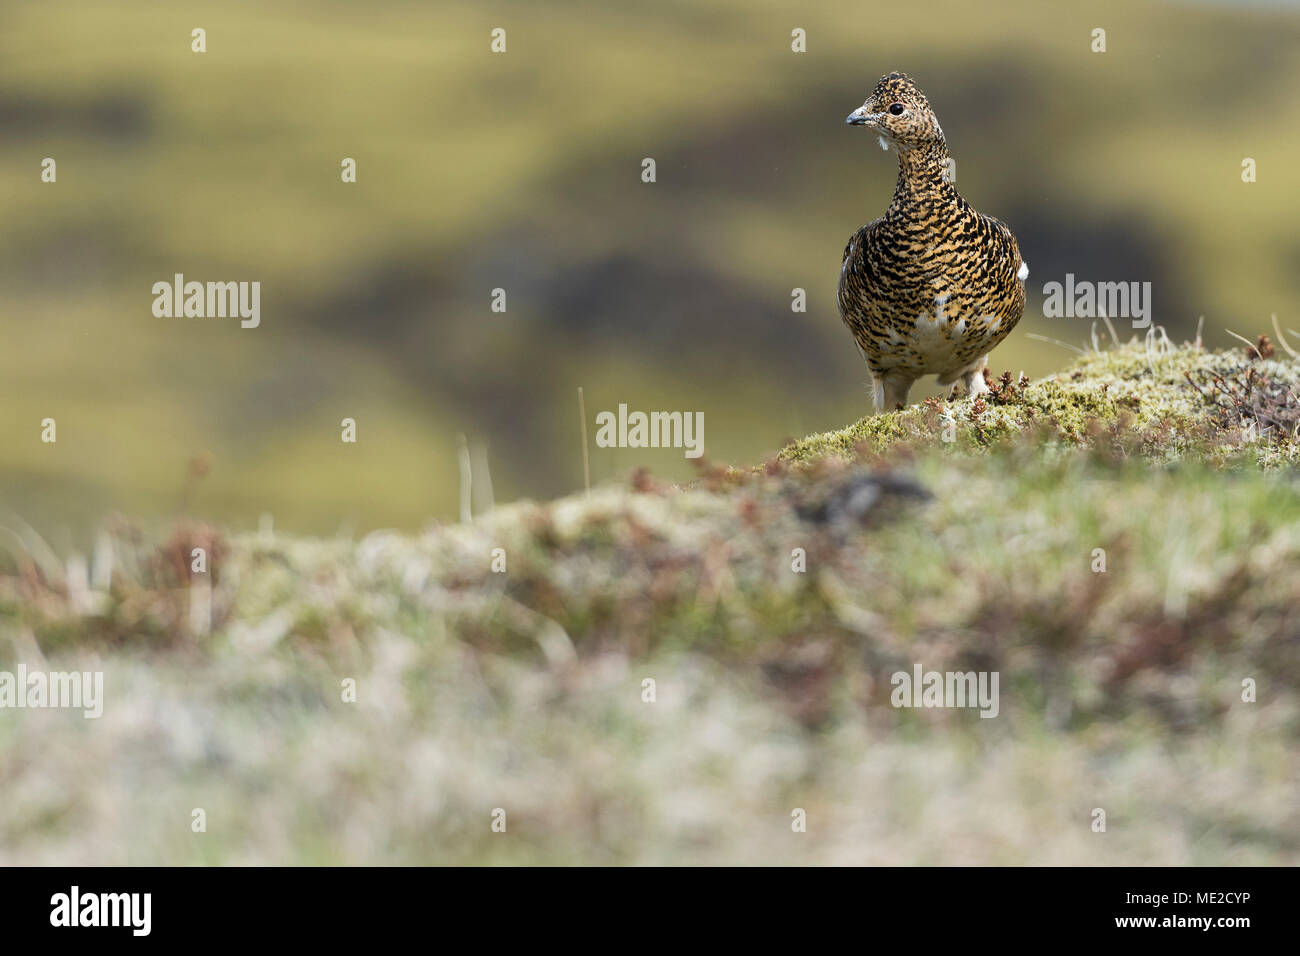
972,378
889,391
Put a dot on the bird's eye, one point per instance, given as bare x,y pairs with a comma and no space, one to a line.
896,109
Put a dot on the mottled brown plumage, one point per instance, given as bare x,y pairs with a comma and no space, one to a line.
932,286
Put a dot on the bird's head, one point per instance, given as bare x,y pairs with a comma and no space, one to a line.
899,113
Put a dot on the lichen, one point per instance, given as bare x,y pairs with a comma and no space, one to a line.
1160,400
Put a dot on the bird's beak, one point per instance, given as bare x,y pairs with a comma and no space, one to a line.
859,117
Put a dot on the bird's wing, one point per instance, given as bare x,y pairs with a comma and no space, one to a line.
1004,244
856,280
860,238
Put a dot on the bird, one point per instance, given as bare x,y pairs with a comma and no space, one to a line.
932,285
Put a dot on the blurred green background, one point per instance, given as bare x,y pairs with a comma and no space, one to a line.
522,171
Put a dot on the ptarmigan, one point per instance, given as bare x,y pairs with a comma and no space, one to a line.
932,286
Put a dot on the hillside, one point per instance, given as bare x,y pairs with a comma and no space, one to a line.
1121,688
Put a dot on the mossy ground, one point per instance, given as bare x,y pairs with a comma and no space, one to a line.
1162,401
1120,688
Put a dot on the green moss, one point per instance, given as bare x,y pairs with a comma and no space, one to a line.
1137,393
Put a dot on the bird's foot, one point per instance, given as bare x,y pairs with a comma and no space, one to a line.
889,391
972,382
